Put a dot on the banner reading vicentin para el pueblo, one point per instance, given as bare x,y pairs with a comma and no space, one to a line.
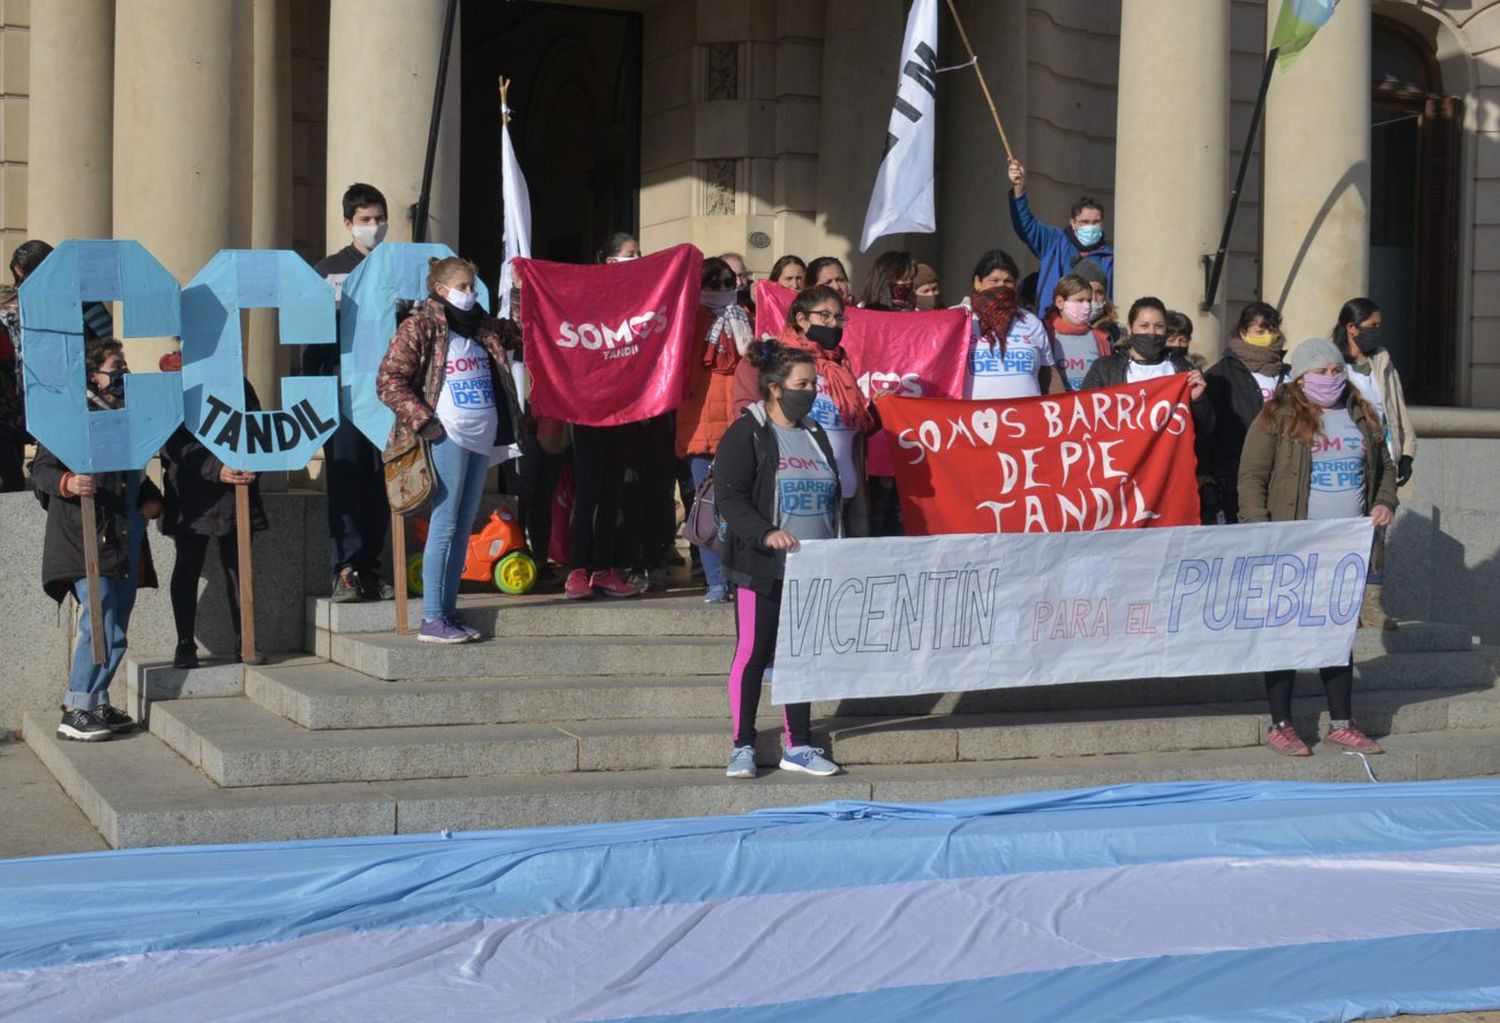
906,615
1112,458
608,344
912,355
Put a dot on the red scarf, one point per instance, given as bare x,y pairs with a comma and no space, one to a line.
996,309
838,378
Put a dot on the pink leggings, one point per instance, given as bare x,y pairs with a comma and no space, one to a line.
755,628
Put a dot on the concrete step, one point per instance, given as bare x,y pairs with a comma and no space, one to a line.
149,679
318,695
139,792
388,656
237,743
1414,638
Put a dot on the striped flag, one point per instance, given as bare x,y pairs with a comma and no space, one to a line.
1297,23
903,196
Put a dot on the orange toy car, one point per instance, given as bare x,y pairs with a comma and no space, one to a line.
498,552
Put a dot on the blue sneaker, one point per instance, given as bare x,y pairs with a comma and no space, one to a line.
716,595
741,763
440,630
808,760
470,634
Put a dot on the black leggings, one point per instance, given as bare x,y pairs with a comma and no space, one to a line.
192,550
1338,683
598,473
755,645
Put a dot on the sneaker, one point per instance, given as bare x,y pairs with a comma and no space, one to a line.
115,720
345,587
82,726
1283,738
440,630
1351,738
374,586
473,634
741,763
716,595
808,760
577,587
186,655
611,585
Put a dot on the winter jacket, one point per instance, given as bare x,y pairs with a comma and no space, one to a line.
745,495
707,411
1397,418
62,541
1110,370
411,374
1235,397
196,501
1057,249
1276,471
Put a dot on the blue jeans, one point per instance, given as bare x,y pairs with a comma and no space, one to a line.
460,484
713,565
88,683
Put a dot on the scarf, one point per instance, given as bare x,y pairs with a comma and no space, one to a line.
996,309
838,379
728,339
1265,361
464,322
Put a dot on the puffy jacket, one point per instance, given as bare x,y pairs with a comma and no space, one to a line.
1236,400
1057,250
117,504
1276,471
708,409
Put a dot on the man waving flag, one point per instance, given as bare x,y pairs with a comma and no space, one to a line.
903,197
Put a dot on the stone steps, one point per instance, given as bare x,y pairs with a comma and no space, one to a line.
138,791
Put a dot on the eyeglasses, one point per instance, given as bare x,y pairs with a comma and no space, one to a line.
827,316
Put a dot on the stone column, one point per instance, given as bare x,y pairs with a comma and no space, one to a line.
382,64
271,180
72,112
177,169
1172,158
1317,176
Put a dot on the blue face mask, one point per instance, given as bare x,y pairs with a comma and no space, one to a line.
1089,235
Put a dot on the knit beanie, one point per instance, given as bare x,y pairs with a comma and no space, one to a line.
1312,353
1090,271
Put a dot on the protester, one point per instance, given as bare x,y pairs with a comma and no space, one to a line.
815,324
447,378
1145,355
926,292
198,496
888,285
742,280
123,501
789,272
1102,315
358,514
98,321
775,485
1076,344
1008,346
829,272
1239,385
1179,331
1358,335
621,247
1316,451
708,409
1059,248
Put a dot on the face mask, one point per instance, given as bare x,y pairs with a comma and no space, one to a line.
621,259
1323,389
926,303
1260,339
1368,340
901,295
1096,309
1077,312
116,387
1089,235
795,405
461,300
826,338
369,235
718,301
1152,348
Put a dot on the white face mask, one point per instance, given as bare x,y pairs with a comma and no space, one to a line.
622,259
1096,309
463,300
369,235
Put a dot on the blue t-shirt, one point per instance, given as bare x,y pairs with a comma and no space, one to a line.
1337,487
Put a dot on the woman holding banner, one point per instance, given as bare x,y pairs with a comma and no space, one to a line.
1317,451
775,485
1009,346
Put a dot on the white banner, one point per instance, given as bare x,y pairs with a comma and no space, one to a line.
517,202
903,196
889,617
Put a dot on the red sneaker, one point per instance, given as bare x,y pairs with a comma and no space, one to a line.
611,585
1283,738
1352,738
577,586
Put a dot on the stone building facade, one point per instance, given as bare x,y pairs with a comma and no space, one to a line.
195,125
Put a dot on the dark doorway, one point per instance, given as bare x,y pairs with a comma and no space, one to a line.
1414,193
575,91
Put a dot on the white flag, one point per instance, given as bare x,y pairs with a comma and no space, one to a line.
902,200
517,212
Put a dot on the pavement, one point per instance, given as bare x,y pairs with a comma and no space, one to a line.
36,817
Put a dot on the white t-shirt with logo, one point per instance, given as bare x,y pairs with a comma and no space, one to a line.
1136,372
1267,385
466,404
1013,373
841,434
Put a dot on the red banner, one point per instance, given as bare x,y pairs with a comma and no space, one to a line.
609,344
911,355
1113,458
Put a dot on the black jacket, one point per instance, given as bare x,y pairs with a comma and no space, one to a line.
1236,400
196,502
1109,371
62,543
323,360
745,496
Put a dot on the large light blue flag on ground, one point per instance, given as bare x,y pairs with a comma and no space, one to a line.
903,196
1297,23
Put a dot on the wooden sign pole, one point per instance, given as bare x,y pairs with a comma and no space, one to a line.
247,573
398,570
91,573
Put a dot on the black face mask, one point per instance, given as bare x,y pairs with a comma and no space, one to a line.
826,338
462,321
1368,340
115,388
795,405
1152,348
